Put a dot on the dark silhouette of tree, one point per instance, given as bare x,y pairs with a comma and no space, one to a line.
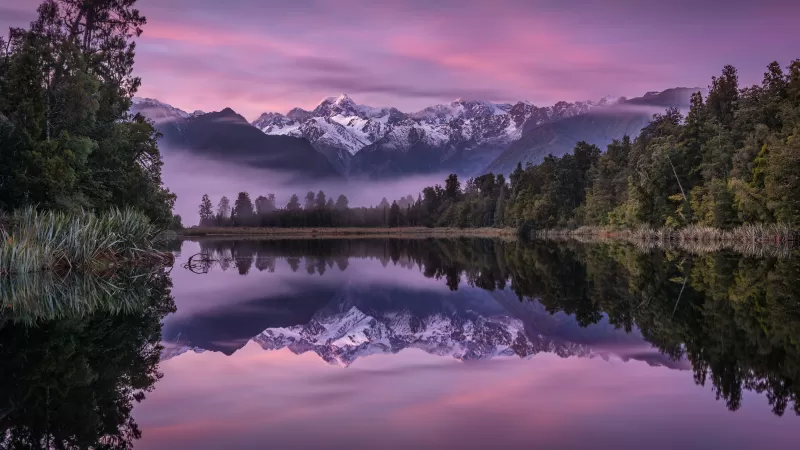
310,201
72,381
243,208
294,204
206,211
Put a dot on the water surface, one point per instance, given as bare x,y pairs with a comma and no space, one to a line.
464,343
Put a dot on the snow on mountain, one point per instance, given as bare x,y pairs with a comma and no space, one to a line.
343,337
338,123
156,110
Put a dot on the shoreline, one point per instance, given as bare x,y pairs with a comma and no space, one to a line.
348,232
754,240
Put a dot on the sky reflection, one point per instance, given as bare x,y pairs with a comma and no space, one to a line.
257,399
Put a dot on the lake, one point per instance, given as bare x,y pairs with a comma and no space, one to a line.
419,343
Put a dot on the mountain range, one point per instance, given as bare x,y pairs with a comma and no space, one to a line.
342,139
357,322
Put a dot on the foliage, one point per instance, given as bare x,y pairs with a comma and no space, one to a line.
73,369
732,160
52,240
66,139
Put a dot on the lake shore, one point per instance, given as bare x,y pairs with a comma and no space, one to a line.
756,240
348,232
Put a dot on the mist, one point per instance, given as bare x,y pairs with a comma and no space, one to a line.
190,176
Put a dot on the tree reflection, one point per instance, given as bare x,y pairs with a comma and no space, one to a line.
735,317
71,373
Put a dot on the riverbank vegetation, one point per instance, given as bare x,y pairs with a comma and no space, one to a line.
62,242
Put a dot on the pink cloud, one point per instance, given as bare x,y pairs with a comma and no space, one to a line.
258,56
417,400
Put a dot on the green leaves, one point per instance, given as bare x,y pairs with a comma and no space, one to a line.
66,140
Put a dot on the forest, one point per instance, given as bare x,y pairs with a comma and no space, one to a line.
67,141
733,159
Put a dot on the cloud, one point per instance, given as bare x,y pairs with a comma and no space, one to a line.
259,56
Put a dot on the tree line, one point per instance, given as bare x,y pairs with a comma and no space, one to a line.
67,140
733,159
316,210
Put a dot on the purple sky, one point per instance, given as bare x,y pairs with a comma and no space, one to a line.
256,55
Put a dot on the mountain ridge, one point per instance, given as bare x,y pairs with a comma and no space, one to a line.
467,137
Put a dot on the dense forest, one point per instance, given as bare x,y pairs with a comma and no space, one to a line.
733,159
67,140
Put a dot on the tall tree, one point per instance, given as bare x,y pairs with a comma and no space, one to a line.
206,210
224,207
310,201
66,139
319,203
342,203
243,207
452,187
294,203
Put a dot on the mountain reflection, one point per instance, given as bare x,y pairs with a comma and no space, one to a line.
76,354
732,319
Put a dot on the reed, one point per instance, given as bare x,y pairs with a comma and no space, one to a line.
34,241
43,296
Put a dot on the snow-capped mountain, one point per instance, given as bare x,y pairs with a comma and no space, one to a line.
342,338
341,129
227,136
160,112
467,137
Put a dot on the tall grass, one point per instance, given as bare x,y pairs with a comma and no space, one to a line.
34,241
42,296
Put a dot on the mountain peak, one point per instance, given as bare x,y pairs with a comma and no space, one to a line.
343,98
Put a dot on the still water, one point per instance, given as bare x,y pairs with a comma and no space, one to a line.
413,344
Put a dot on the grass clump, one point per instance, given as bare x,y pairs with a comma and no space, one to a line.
35,241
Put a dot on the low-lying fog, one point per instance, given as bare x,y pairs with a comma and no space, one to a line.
189,177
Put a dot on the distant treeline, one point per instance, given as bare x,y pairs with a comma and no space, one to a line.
733,159
317,210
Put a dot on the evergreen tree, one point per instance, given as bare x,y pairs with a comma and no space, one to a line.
294,203
320,201
224,208
206,211
310,201
394,215
66,138
243,207
341,203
